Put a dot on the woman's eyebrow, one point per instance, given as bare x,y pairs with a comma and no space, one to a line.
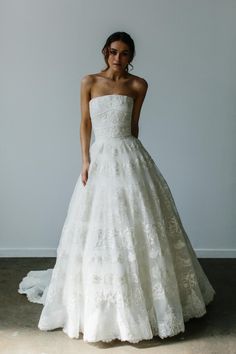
125,50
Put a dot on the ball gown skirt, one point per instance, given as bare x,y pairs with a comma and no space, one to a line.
125,268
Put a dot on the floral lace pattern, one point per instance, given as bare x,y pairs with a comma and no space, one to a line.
125,267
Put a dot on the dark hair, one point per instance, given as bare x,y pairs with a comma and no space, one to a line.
119,36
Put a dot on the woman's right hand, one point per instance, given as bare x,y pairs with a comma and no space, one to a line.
84,173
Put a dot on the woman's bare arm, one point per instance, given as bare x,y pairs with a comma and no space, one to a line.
140,87
85,125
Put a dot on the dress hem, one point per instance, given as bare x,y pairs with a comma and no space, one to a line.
155,333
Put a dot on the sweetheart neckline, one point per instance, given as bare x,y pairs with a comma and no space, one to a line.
113,94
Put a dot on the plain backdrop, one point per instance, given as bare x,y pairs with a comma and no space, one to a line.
184,49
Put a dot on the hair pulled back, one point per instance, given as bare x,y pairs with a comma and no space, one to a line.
119,36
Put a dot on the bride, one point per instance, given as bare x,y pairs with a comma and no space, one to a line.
125,268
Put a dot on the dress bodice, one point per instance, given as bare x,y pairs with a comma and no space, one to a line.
111,116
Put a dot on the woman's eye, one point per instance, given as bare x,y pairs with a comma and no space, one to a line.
114,53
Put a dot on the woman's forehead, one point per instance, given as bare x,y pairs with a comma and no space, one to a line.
119,45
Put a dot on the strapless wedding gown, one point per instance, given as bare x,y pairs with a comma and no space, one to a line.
125,267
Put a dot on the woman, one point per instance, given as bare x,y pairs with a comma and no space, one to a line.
125,268
115,78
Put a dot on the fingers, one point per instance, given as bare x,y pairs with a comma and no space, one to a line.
84,177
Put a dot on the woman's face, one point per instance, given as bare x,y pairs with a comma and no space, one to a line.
119,55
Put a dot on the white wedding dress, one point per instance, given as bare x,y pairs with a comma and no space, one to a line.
125,268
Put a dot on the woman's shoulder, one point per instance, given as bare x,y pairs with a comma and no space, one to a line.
91,77
88,78
87,82
139,83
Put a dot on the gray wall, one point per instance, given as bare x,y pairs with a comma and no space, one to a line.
185,50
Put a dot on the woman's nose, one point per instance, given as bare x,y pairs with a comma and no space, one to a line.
117,56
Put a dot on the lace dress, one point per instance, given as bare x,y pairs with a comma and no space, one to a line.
125,267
